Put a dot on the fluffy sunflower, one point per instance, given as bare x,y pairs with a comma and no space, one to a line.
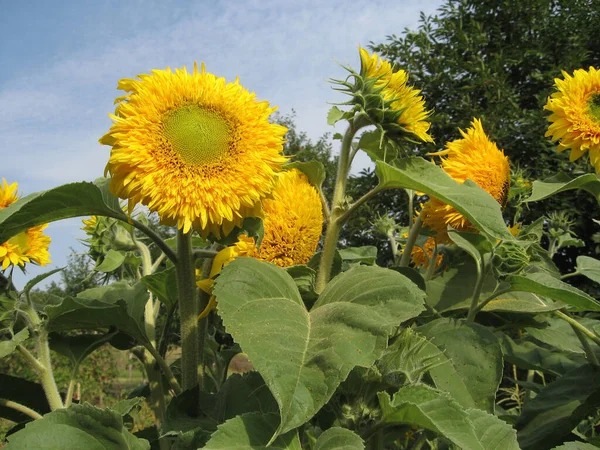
30,246
421,256
476,158
393,88
198,150
575,118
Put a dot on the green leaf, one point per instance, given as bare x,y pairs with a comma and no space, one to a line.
433,410
563,182
117,305
124,407
78,427
476,356
378,149
559,334
334,115
303,356
335,268
24,392
478,247
314,171
305,279
545,284
251,226
493,433
576,446
589,267
9,346
164,285
558,408
63,202
479,207
112,261
337,438
252,431
78,347
355,255
38,279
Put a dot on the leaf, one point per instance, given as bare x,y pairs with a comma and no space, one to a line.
303,356
78,347
38,279
337,438
124,407
164,285
112,261
9,346
576,446
589,267
353,255
433,410
545,284
78,427
251,226
334,115
252,431
305,279
559,334
493,433
63,202
476,356
479,207
314,171
336,267
24,392
377,148
558,408
562,182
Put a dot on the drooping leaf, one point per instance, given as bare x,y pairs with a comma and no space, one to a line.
562,182
546,285
334,115
112,261
10,345
493,433
78,347
304,356
78,427
433,410
482,210
314,171
337,438
476,355
252,431
589,267
558,408
63,202
38,279
377,148
475,245
164,285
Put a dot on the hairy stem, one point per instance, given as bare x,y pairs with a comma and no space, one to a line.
590,334
410,242
203,299
21,408
476,293
46,375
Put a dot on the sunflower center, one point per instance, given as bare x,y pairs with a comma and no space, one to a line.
200,136
594,106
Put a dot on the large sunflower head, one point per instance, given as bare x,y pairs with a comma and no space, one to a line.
405,106
575,118
196,149
476,158
30,246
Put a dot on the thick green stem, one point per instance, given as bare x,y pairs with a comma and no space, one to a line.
21,408
376,441
410,242
411,207
156,400
46,376
476,293
203,299
188,310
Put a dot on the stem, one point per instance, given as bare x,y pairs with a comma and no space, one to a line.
156,400
393,244
166,370
432,261
203,299
203,253
344,217
70,387
156,239
188,310
325,206
33,361
21,408
163,343
46,376
410,242
489,299
157,263
589,351
580,327
411,207
476,293
146,257
569,275
420,442
376,441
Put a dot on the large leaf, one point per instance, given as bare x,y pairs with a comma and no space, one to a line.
117,305
252,431
24,392
493,433
562,182
78,427
474,353
546,285
434,410
63,202
337,438
78,347
303,356
589,267
468,199
558,408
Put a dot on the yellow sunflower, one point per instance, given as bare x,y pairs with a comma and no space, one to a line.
89,225
421,256
196,149
30,246
575,115
476,158
394,88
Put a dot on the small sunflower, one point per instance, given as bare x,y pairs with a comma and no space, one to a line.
421,256
575,115
402,97
476,158
30,246
196,149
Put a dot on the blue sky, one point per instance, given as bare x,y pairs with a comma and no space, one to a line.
61,62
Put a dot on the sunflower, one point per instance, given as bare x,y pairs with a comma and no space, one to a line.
476,158
421,256
575,115
394,89
30,246
192,147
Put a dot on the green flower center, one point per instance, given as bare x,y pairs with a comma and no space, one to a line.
594,106
200,136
